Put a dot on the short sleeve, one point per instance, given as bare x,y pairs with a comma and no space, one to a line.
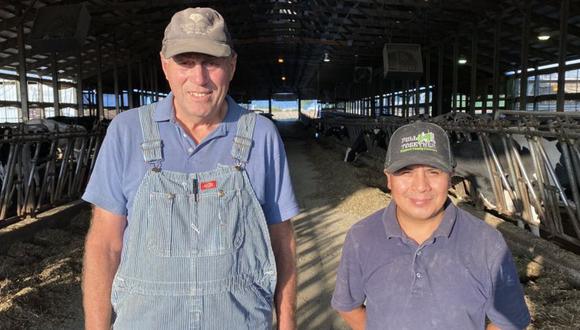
280,202
349,290
104,188
506,308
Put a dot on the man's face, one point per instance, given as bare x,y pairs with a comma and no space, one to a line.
199,84
419,191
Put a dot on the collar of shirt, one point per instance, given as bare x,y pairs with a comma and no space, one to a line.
166,112
393,229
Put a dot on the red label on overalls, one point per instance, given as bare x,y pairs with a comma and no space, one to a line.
208,185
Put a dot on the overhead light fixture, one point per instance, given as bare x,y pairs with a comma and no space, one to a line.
280,60
326,58
283,78
543,36
462,60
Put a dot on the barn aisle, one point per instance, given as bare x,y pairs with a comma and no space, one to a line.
332,198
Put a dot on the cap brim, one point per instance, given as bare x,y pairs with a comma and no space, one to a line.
433,162
196,46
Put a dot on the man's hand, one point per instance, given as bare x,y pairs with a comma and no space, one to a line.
102,255
355,318
284,247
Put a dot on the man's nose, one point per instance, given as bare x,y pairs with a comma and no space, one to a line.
420,181
198,74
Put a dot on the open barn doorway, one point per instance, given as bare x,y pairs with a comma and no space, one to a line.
284,110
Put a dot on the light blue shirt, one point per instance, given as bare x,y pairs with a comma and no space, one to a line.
120,166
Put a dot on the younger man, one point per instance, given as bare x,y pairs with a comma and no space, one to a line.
422,263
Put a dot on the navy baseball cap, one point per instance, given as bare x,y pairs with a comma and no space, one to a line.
419,143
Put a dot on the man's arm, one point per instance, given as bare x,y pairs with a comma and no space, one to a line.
356,318
102,254
284,247
506,307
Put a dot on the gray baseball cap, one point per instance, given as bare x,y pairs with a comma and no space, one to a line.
419,143
197,30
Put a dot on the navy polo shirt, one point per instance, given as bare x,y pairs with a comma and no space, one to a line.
456,278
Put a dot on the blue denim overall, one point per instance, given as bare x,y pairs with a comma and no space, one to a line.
197,252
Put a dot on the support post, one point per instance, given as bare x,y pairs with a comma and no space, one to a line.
417,96
405,100
55,96
141,84
561,96
381,103
116,85
100,100
156,82
427,83
23,82
524,57
129,85
454,81
473,91
439,110
299,105
80,105
152,84
496,59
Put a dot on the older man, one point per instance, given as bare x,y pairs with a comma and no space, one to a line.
191,200
422,263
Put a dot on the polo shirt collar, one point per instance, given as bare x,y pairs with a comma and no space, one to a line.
446,226
165,112
164,109
393,229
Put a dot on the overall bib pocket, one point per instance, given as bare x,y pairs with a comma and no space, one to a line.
169,224
220,226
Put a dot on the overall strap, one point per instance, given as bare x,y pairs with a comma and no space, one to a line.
151,145
243,139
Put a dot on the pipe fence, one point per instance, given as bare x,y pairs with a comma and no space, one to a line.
531,161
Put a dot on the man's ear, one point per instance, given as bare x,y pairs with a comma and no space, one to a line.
164,62
388,176
233,62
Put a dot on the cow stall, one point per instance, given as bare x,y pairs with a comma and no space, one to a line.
43,165
523,165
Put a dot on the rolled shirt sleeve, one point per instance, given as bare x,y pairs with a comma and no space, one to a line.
349,289
105,186
277,195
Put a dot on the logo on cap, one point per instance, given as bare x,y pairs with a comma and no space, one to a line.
420,142
198,24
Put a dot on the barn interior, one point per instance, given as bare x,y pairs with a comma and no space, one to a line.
471,55
338,77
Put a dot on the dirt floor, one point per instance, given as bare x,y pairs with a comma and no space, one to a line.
40,275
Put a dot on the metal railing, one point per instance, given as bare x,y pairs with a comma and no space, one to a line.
40,169
527,183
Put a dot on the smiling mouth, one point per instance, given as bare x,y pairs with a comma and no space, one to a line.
420,201
198,94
